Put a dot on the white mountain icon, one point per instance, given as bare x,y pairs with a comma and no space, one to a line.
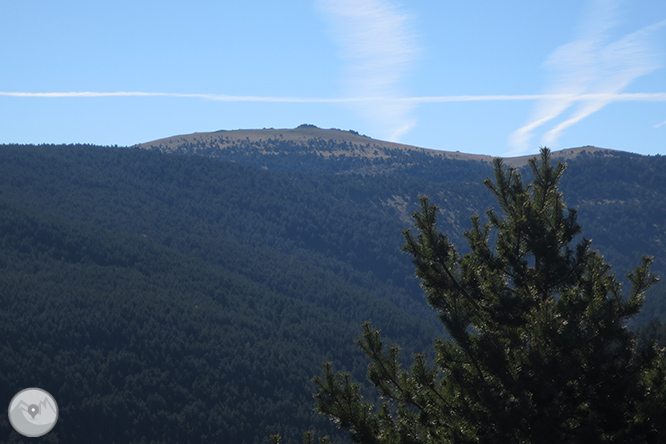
33,412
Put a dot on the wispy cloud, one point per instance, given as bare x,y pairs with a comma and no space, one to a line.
379,48
590,72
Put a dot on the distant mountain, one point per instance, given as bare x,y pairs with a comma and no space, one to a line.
310,140
187,291
304,139
616,192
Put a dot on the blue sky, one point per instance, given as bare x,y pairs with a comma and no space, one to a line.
500,78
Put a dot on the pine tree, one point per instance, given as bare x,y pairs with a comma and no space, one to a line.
538,352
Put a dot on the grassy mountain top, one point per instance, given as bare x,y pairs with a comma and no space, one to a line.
571,154
339,143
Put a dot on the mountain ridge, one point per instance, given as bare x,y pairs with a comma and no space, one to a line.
357,145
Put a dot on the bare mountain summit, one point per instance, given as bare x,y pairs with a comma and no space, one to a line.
309,139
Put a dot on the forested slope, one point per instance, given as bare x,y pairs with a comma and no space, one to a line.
183,298
140,344
143,289
621,197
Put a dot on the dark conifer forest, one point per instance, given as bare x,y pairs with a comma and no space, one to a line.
191,295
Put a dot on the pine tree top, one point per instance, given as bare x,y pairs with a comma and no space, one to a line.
538,348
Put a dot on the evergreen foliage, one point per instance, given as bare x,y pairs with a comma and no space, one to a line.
187,299
655,330
172,299
539,351
609,187
141,344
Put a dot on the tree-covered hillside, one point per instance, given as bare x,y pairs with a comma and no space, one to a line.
179,298
538,352
129,275
620,196
140,344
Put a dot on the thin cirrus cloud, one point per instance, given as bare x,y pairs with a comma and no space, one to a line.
589,73
379,48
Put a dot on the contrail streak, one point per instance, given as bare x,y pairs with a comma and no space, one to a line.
611,97
218,97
